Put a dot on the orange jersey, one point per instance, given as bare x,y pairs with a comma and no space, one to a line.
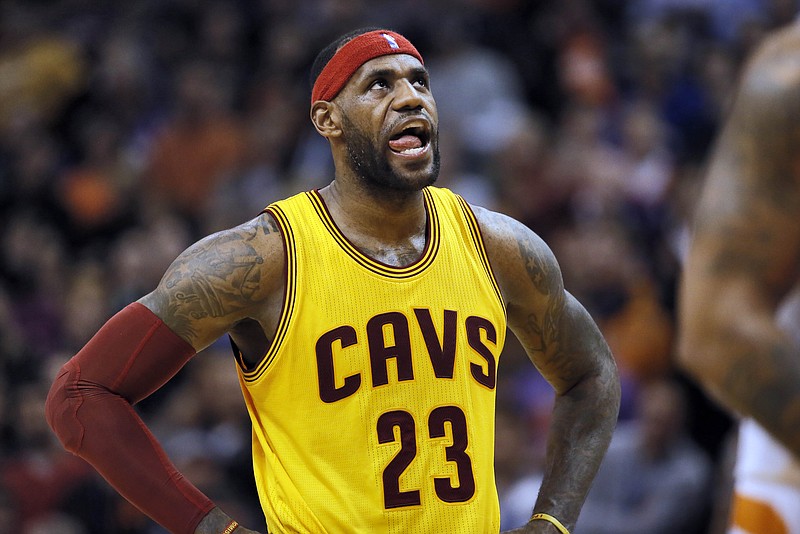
373,410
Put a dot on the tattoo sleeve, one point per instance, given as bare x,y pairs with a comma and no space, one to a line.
211,285
567,347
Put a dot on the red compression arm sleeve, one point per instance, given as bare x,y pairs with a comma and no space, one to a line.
89,407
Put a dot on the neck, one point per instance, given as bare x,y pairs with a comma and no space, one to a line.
387,225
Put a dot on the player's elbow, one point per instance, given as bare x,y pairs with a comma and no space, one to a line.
61,408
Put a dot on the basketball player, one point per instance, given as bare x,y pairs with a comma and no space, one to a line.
367,319
740,317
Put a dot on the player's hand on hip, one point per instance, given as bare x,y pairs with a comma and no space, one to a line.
218,522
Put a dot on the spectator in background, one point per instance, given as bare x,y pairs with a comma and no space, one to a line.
528,189
523,417
654,478
39,70
613,278
33,259
480,90
95,193
9,515
199,148
39,478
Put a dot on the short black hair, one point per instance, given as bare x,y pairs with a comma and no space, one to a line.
329,51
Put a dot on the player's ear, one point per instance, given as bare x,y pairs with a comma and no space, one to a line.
326,117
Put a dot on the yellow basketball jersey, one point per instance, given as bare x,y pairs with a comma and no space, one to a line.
373,410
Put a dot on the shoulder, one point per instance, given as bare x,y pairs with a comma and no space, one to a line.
222,278
754,161
256,245
778,50
771,77
520,259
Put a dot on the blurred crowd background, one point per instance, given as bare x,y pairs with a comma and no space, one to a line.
128,130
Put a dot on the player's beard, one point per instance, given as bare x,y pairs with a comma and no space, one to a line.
368,160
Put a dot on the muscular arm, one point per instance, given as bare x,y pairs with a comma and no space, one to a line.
566,346
224,279
745,252
211,286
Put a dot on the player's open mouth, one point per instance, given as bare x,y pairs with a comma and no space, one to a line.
412,140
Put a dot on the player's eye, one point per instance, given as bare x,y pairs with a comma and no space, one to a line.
380,83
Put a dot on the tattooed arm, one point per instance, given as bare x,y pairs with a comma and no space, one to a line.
227,280
224,281
745,253
565,345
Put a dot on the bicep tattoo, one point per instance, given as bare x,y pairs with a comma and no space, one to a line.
217,277
542,326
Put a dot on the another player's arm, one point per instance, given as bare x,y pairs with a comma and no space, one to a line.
566,346
745,253
214,284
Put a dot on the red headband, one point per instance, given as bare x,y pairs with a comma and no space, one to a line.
355,53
